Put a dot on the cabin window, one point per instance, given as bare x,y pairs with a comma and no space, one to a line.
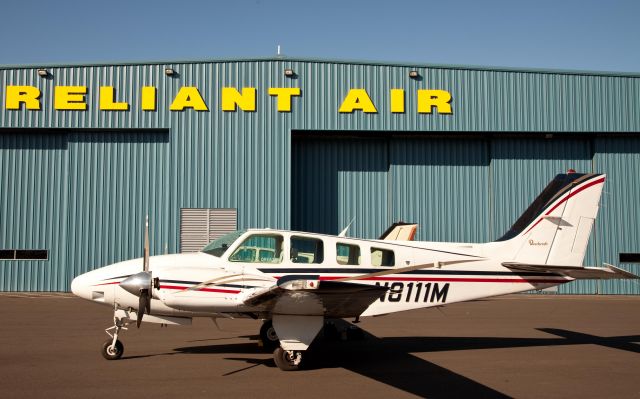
306,250
347,254
382,257
259,248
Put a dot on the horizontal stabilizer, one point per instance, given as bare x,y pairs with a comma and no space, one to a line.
577,272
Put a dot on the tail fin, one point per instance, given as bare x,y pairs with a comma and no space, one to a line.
400,231
555,229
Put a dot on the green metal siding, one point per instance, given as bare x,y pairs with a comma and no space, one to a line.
33,203
337,181
442,185
617,228
79,182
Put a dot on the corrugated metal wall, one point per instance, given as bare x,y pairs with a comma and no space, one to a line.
337,181
617,228
441,183
81,188
33,205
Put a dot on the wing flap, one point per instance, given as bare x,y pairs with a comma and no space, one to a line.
314,297
578,272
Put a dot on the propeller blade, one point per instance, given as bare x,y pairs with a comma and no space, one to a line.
144,305
145,262
141,303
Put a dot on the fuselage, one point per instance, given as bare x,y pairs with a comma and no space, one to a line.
216,281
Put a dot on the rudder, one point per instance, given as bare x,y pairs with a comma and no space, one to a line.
555,229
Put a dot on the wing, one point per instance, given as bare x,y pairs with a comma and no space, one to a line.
307,295
577,272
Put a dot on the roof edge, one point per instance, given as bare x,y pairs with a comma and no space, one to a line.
333,61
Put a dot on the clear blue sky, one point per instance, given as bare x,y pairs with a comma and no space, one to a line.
572,34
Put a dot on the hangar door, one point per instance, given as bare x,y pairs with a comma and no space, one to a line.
376,181
468,189
334,181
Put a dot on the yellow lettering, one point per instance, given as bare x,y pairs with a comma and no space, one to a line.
427,99
231,99
107,100
284,95
149,98
188,97
70,98
357,99
397,101
27,95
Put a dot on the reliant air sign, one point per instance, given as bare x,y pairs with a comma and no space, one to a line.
74,98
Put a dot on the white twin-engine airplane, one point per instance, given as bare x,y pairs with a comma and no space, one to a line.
293,281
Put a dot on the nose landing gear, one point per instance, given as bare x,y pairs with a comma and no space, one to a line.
112,349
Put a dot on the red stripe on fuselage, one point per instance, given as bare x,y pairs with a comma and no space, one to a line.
111,283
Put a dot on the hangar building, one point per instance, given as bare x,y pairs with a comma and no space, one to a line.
86,151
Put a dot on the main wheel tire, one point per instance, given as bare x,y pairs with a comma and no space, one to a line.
287,360
268,336
112,353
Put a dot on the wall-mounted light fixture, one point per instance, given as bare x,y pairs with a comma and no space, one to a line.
414,74
169,71
289,72
43,73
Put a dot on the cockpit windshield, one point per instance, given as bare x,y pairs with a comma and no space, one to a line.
218,246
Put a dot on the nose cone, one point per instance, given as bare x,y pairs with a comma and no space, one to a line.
81,286
137,282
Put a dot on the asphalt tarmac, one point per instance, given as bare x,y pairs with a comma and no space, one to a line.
516,346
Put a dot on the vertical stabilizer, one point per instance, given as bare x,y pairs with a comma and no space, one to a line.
555,229
400,231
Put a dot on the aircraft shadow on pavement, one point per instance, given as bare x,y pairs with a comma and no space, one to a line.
389,359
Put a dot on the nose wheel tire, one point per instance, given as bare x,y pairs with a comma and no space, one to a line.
287,360
268,336
112,352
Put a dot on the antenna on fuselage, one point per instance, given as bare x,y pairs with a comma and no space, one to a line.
343,233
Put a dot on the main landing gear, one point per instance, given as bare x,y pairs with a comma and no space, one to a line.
268,336
287,360
112,349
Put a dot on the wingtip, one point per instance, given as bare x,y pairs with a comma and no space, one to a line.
621,272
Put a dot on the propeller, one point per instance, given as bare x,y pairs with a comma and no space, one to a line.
141,284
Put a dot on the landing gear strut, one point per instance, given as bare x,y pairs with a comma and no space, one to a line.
112,349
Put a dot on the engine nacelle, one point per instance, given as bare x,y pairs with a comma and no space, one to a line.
200,289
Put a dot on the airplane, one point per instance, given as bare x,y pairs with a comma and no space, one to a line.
295,281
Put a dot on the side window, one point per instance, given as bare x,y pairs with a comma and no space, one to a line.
306,250
347,254
259,248
382,257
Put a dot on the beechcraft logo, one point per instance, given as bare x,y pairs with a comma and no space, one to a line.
538,243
